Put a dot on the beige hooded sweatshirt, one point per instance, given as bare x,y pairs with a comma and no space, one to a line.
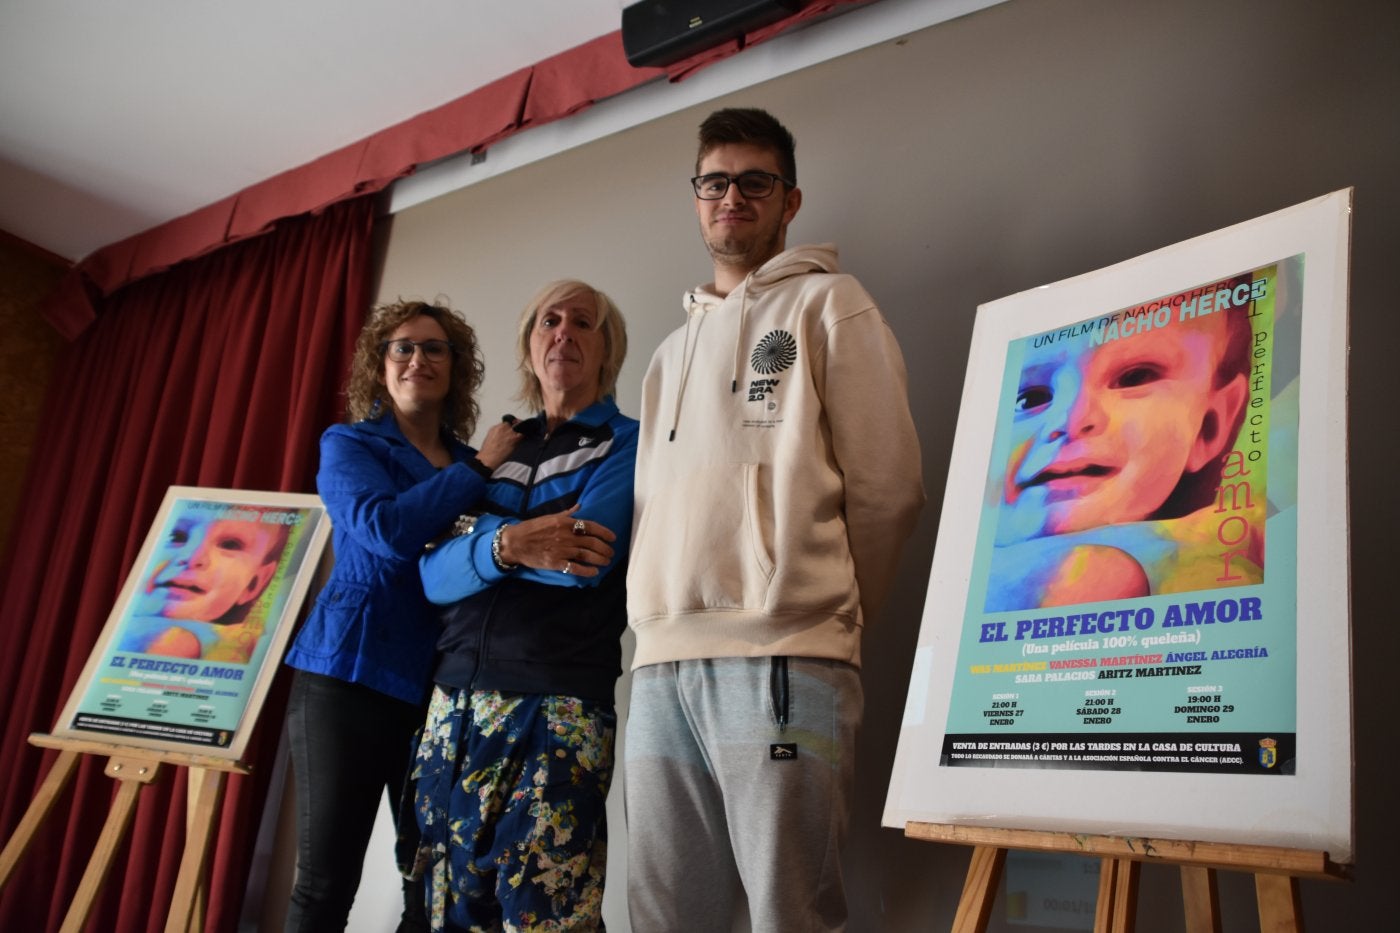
778,472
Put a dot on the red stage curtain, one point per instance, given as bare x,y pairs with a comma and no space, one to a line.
549,90
221,372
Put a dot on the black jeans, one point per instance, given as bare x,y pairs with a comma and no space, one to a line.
349,744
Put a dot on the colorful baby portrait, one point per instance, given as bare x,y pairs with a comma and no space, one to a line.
1122,466
210,566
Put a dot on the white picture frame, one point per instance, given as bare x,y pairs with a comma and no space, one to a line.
1302,803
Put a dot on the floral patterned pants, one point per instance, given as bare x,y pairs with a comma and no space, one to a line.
508,794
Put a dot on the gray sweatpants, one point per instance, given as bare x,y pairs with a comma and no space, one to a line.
720,794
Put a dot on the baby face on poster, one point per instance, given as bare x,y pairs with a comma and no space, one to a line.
208,565
1108,432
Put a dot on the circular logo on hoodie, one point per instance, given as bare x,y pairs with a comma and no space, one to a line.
774,353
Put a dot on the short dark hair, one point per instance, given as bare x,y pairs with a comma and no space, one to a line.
749,126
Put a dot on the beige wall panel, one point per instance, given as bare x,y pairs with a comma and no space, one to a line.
1024,144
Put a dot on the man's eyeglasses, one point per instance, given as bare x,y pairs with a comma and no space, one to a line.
401,351
715,185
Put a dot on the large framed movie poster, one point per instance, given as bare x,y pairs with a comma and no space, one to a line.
1138,613
191,646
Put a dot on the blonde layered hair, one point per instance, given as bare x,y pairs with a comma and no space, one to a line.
609,321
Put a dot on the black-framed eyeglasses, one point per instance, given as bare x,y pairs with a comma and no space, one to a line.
401,351
715,185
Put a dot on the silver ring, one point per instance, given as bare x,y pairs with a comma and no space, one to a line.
580,527
567,565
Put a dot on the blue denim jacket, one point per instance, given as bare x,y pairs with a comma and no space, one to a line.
371,623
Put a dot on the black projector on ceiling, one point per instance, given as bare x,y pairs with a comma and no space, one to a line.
656,33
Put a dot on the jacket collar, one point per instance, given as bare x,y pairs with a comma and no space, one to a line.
798,260
403,450
382,426
595,415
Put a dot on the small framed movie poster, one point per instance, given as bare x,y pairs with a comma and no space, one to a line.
193,642
1138,615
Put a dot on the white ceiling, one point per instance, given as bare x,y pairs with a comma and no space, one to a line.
116,115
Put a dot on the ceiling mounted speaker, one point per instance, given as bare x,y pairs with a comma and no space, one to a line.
656,33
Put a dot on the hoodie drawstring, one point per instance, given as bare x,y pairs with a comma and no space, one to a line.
688,354
796,261
739,337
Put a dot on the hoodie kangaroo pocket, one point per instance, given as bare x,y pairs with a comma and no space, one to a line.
702,545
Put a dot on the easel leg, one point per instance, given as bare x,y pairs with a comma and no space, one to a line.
1280,906
1116,910
1277,873
39,807
205,789
979,890
1201,898
130,774
1125,897
1103,906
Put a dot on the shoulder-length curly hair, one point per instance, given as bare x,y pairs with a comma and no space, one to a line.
609,320
366,395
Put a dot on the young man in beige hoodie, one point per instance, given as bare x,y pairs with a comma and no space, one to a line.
778,474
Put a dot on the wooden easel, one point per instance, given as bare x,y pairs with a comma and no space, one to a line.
1276,873
132,768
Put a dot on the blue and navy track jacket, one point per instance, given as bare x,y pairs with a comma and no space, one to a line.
541,631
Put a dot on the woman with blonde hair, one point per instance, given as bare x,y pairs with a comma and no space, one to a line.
516,756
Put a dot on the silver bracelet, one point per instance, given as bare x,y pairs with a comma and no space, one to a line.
464,525
501,565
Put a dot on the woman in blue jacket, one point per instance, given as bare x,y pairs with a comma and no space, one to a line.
393,478
516,755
